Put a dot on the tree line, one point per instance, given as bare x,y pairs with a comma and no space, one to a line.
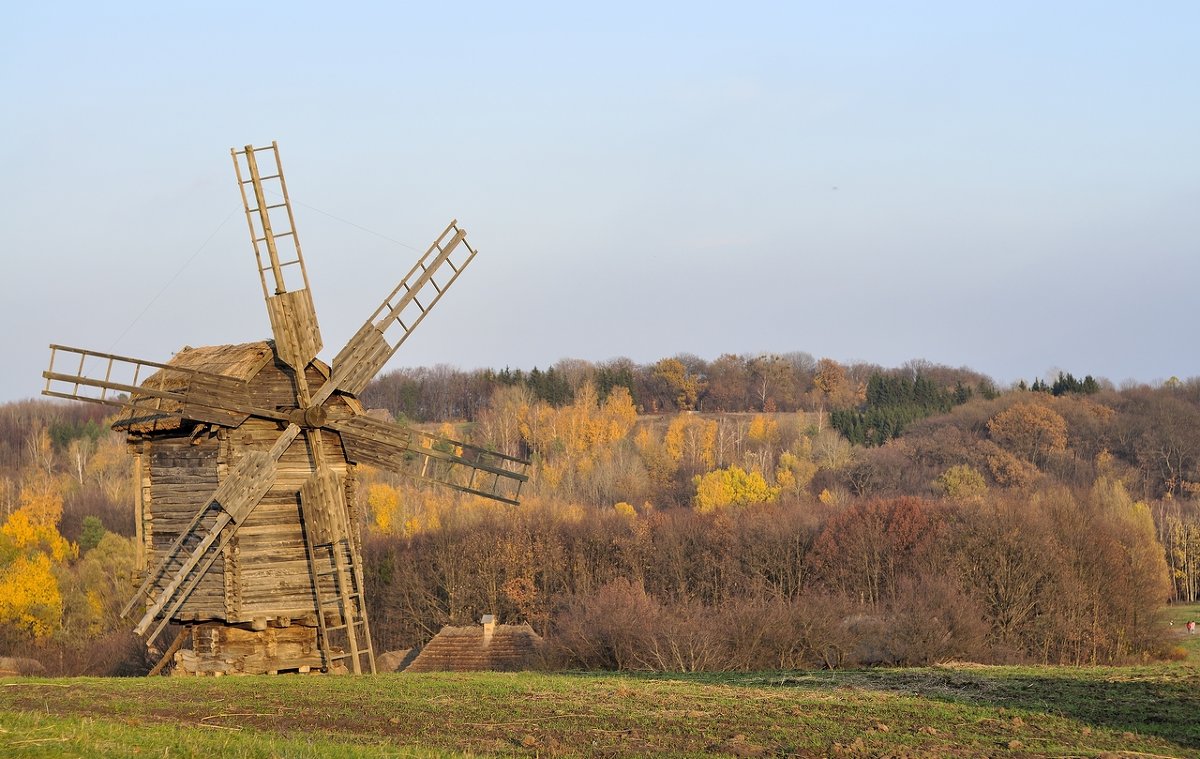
702,515
1049,527
1067,577
730,383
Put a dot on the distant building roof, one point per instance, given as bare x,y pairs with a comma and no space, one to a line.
505,648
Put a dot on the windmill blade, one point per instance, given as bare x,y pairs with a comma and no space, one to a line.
430,458
235,499
273,232
148,390
400,313
336,571
323,498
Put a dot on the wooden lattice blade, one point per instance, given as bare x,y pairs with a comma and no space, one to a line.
336,572
148,390
294,326
430,458
400,313
323,499
277,249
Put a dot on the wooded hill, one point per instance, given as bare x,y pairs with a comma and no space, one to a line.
744,513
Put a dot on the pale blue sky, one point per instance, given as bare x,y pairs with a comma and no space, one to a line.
1014,187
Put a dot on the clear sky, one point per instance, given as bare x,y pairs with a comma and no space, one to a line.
1010,186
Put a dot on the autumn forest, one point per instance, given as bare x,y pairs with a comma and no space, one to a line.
744,513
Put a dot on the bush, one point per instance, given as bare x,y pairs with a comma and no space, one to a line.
1173,653
933,621
620,627
611,629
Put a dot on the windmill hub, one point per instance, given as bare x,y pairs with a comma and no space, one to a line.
313,417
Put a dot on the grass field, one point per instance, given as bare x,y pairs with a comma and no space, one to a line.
958,710
1178,616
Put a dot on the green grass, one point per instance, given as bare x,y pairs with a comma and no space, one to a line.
962,710
1178,615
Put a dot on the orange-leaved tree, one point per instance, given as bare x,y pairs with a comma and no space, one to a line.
1031,431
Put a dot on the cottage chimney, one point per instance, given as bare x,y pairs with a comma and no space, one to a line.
489,627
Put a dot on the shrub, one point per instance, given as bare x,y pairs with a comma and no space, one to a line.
962,483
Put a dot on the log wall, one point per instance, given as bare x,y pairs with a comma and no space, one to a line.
264,571
178,477
270,573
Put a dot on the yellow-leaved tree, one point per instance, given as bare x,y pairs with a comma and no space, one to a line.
31,603
690,441
681,384
96,587
573,443
1143,553
796,467
733,486
625,510
763,430
660,467
498,426
110,467
384,502
962,482
762,441
404,508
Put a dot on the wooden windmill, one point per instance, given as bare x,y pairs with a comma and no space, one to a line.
245,459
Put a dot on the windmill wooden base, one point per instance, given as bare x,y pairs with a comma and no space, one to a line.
218,649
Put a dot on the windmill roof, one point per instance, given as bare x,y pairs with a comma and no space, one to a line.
240,361
460,649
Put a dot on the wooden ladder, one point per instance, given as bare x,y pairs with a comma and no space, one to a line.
345,633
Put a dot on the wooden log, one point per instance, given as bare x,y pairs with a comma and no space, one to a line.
170,652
